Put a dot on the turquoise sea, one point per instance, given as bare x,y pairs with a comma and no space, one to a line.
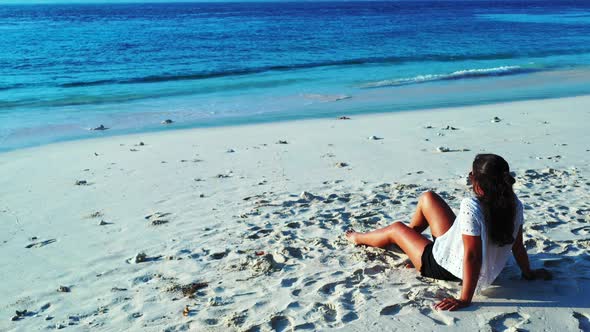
67,68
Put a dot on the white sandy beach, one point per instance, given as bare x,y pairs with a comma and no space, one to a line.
226,230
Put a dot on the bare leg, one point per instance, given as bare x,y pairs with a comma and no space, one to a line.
432,211
410,241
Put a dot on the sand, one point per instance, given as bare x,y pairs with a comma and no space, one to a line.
241,228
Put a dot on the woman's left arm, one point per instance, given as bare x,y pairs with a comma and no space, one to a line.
472,257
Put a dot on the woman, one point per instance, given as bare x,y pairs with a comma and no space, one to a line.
472,247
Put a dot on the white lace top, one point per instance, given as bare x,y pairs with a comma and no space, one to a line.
448,248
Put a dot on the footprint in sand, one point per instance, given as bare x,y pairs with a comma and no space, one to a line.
581,230
293,252
211,321
390,310
507,322
218,255
288,282
294,225
259,234
329,288
349,317
348,282
280,323
374,270
235,319
306,326
328,311
583,321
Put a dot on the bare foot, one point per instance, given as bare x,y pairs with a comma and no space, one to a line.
351,236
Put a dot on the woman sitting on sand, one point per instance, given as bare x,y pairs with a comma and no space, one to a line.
472,247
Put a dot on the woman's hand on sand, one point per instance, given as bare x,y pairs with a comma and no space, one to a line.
450,304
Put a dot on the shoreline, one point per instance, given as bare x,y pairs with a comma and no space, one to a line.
220,216
165,129
145,116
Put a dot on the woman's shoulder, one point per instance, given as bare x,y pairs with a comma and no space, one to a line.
471,205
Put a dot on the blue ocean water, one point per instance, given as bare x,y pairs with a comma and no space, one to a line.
67,68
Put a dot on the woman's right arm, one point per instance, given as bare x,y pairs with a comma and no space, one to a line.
522,259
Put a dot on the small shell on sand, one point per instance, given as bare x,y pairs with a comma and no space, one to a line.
341,164
140,257
496,119
189,289
63,289
95,214
167,121
443,149
101,127
156,222
19,315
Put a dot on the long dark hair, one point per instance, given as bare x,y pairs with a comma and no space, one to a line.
492,174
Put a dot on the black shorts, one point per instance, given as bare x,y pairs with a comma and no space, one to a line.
431,269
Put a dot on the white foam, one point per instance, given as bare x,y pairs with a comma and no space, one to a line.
467,73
